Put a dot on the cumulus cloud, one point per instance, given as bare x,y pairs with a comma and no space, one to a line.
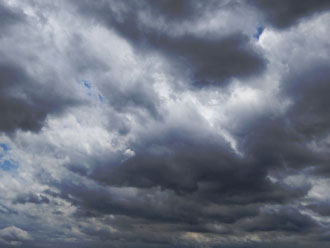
13,236
164,123
206,57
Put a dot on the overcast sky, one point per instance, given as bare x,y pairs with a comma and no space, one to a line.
165,123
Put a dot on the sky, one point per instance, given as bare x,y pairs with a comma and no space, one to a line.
164,123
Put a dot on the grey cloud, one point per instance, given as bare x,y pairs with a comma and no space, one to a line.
286,219
184,185
208,59
307,86
151,205
184,181
276,144
31,198
285,13
213,60
182,10
13,236
283,140
25,102
6,210
9,16
207,166
322,208
132,98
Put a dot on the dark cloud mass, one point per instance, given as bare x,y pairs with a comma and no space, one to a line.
284,13
209,170
23,104
181,10
213,60
207,58
164,123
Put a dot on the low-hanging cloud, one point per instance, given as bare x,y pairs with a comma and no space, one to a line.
164,123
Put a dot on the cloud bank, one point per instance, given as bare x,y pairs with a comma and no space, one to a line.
166,123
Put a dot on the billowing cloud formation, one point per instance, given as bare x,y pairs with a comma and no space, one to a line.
24,104
164,124
13,236
209,58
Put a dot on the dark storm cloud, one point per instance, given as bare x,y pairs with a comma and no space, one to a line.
283,141
213,60
208,59
151,206
173,10
24,101
203,166
284,13
308,86
286,219
275,143
29,89
204,171
183,179
322,208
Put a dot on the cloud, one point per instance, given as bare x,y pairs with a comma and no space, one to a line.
9,16
23,104
31,198
289,220
164,124
13,236
206,166
282,14
322,208
208,59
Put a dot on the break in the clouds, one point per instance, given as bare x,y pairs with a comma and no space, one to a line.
164,123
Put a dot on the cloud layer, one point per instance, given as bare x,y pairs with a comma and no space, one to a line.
164,123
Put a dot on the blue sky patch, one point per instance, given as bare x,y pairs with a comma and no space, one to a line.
100,98
87,84
8,165
260,30
4,147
